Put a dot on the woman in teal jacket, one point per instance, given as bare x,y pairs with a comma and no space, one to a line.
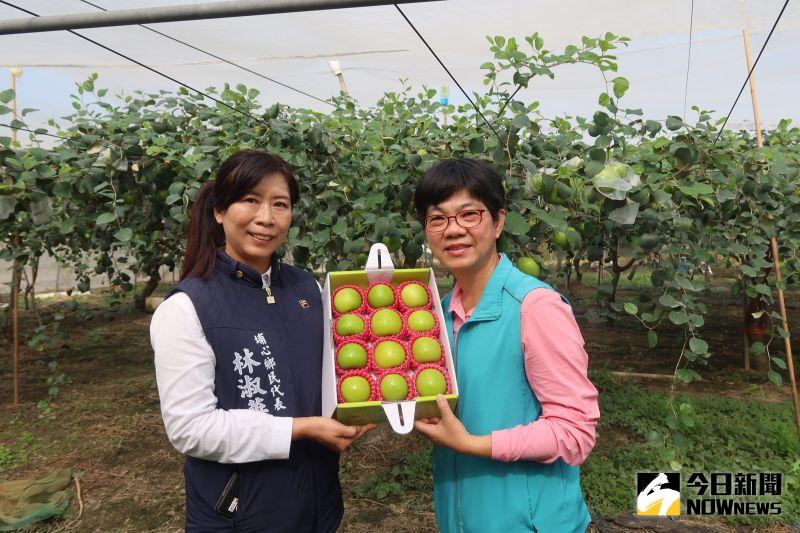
507,461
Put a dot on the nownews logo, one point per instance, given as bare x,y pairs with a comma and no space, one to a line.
718,493
659,494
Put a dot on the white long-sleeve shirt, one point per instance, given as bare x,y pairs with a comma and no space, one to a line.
185,363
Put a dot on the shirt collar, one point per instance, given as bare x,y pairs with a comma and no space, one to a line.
457,302
489,304
246,273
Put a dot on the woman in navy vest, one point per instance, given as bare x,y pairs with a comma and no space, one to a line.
238,356
507,461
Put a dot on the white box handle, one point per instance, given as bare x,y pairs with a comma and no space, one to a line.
385,258
393,410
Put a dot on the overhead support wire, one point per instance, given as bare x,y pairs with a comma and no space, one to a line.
750,72
36,132
197,11
449,73
151,69
229,62
688,62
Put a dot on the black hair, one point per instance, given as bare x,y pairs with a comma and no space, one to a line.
447,177
237,176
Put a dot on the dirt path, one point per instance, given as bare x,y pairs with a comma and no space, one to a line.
106,426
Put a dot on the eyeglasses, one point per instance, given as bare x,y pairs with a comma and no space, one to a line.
465,219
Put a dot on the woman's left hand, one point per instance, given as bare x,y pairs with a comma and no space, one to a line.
448,431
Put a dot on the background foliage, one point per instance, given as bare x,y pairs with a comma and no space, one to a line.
667,196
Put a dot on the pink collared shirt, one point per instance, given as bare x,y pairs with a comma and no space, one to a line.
556,368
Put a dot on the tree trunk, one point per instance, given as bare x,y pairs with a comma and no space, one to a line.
8,327
409,262
568,277
13,313
30,286
149,288
615,270
577,264
754,331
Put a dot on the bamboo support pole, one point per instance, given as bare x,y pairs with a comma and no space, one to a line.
774,247
756,116
786,340
16,269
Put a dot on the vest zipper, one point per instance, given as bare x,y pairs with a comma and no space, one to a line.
270,297
455,455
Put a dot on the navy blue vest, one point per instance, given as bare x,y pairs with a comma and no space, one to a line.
268,358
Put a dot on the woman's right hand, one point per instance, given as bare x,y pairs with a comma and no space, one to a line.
327,431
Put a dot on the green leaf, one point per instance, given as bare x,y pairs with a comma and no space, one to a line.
602,141
674,123
414,160
763,289
652,339
6,96
516,224
498,154
678,317
672,422
66,227
621,86
554,220
652,126
696,320
684,375
476,145
340,228
521,121
592,168
7,206
654,438
684,283
668,301
739,248
747,270
696,189
780,363
757,348
631,308
698,346
124,235
105,218
775,378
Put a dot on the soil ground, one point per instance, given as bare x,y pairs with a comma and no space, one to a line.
106,425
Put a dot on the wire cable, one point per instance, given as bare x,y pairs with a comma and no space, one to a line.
449,73
36,132
229,62
747,79
688,62
151,69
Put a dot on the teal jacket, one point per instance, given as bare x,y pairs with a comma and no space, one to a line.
474,494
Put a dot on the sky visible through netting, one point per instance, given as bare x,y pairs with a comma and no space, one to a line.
376,49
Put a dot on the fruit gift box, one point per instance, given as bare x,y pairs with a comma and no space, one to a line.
386,354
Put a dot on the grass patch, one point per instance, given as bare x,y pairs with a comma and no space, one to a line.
402,473
730,435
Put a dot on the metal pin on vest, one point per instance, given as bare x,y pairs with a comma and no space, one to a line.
270,297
